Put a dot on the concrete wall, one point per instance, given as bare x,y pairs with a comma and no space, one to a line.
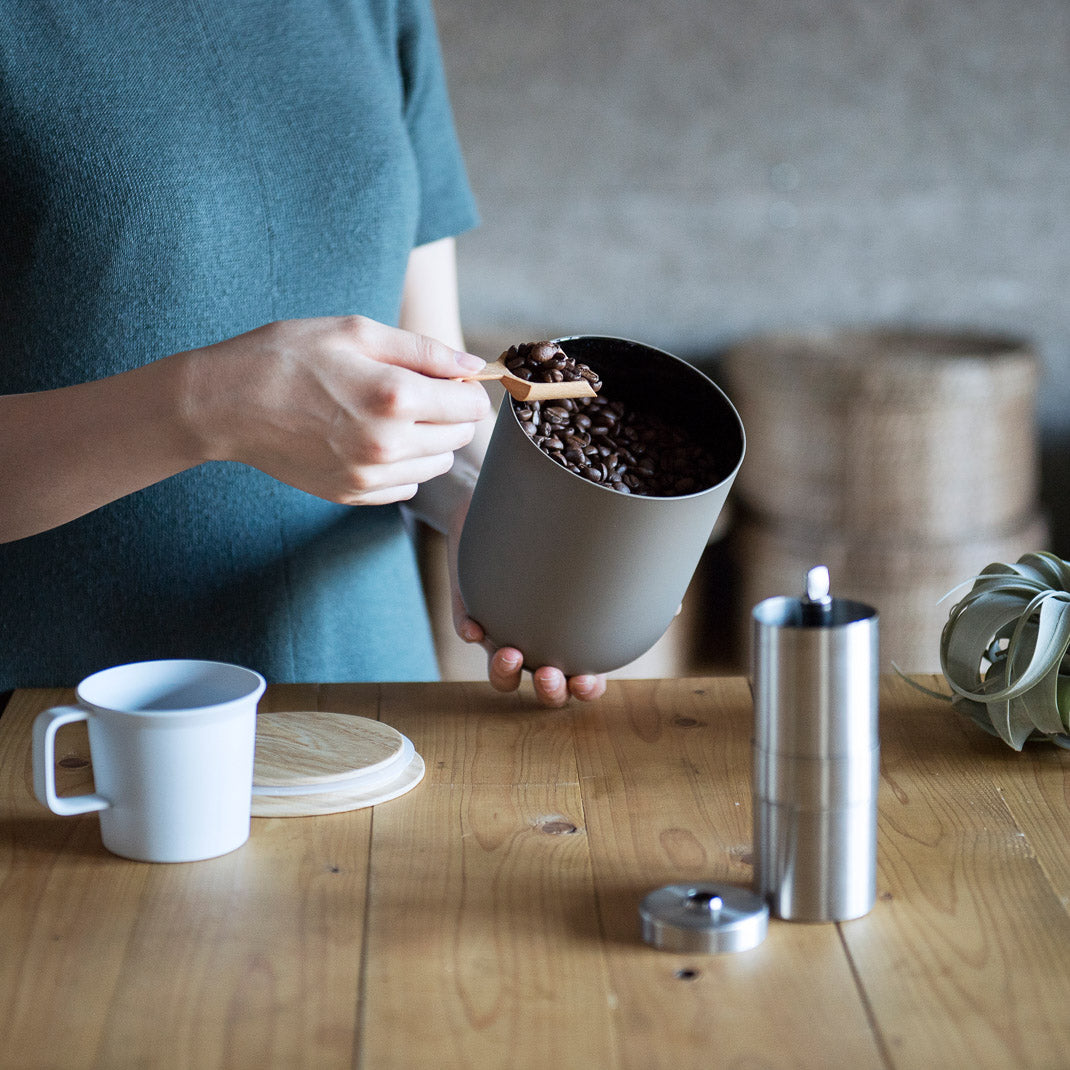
693,172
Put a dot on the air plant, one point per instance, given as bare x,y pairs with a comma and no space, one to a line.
1003,651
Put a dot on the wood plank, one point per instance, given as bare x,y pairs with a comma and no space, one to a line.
1038,798
249,959
482,944
1035,786
470,733
47,891
272,976
665,774
965,962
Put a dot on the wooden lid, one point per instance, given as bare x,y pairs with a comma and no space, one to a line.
306,747
312,762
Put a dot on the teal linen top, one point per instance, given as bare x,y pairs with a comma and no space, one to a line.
173,173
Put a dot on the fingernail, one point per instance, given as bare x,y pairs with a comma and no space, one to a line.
469,362
583,685
550,678
509,662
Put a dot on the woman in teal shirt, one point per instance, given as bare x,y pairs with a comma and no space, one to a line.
229,341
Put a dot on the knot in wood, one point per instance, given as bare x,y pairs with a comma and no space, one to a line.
688,722
558,826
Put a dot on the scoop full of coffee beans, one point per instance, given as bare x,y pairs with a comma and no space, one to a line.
603,440
547,362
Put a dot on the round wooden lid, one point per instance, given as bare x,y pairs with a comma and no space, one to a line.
310,762
306,748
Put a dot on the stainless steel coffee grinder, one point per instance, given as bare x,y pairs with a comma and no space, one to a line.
816,754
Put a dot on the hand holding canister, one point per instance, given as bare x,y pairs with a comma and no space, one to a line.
816,754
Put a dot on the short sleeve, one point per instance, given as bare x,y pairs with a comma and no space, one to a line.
446,204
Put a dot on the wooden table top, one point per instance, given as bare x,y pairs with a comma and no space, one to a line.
489,917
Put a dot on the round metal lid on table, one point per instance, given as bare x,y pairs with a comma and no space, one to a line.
704,917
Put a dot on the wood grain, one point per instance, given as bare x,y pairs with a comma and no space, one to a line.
251,959
488,918
343,761
969,928
483,942
318,747
666,787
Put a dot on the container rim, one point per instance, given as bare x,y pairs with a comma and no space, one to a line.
686,368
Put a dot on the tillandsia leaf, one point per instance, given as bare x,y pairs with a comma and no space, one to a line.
1003,648
966,637
976,711
1020,689
1010,718
1051,570
1035,661
1062,700
1032,572
1036,647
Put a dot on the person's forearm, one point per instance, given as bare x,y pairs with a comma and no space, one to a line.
345,408
66,452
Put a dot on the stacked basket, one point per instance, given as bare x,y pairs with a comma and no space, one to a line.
906,461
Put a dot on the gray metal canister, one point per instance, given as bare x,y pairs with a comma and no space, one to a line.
816,754
571,572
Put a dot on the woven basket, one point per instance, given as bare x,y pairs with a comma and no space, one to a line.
888,433
905,580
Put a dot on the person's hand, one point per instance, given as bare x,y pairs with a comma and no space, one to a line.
505,664
345,408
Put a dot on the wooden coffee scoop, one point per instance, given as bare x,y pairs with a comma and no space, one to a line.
522,390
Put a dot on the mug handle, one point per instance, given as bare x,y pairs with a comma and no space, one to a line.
45,726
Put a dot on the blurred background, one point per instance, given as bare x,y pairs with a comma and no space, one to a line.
699,174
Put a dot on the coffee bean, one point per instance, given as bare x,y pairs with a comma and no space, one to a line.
660,460
541,352
547,362
601,439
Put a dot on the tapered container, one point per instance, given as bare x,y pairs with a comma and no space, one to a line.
816,755
577,575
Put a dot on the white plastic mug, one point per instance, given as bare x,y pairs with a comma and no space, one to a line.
172,744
